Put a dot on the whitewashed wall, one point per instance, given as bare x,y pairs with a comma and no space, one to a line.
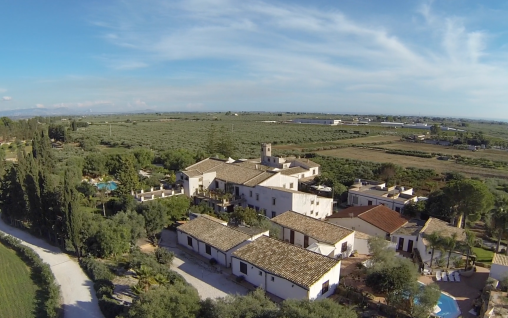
358,224
498,271
332,277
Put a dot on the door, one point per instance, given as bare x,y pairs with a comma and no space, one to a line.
237,191
305,241
292,237
401,243
410,246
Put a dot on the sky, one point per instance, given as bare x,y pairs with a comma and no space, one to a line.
437,58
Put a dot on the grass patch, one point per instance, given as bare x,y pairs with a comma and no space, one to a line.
17,290
483,255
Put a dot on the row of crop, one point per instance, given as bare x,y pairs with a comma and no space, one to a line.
482,162
49,303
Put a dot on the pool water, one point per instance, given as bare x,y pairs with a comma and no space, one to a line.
108,186
449,307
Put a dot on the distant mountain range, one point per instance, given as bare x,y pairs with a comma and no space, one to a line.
59,111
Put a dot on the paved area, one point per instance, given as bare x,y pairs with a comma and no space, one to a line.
465,291
79,300
210,282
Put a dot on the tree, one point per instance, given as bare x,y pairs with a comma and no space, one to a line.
387,172
73,214
469,244
468,198
177,207
128,178
177,159
324,308
499,221
168,301
381,252
427,297
393,279
226,143
212,144
449,244
435,241
435,129
255,305
113,238
95,165
144,157
247,215
134,221
155,216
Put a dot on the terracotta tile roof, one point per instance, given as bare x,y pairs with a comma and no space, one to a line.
285,260
378,215
305,162
293,170
500,259
259,178
412,227
213,233
206,164
444,229
192,173
321,231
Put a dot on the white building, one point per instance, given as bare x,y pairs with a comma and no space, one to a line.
326,238
269,185
377,220
212,238
408,236
499,268
365,192
155,194
286,270
316,121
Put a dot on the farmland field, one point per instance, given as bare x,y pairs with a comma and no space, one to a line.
360,140
17,290
407,161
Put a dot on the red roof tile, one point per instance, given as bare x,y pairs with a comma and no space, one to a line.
378,215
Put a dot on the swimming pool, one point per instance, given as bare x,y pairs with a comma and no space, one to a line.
446,307
111,185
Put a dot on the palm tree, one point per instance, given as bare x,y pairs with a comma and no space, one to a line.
102,193
469,244
145,277
499,220
449,244
435,241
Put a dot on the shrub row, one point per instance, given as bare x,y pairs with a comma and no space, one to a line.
49,303
100,274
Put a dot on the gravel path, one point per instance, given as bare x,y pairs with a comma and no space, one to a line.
208,282
79,300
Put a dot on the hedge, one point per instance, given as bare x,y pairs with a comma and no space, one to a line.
49,303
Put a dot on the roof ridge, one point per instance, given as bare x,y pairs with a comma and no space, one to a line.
255,175
299,247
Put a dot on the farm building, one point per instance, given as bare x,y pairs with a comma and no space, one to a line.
269,185
365,192
327,238
499,268
332,122
286,270
212,238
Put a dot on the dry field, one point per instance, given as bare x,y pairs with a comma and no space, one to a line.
491,154
361,140
407,161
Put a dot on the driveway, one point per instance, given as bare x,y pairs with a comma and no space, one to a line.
207,280
79,300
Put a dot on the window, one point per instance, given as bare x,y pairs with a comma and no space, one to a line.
257,196
311,212
189,240
273,279
312,202
243,268
181,177
344,247
397,209
273,201
208,249
317,202
369,202
313,171
216,184
325,288
268,149
250,193
273,214
291,185
260,273
355,200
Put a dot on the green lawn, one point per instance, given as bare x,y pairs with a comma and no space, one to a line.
17,290
482,255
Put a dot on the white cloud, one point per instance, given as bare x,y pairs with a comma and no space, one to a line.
39,106
85,104
6,98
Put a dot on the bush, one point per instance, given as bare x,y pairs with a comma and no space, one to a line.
95,270
110,307
164,256
240,279
213,261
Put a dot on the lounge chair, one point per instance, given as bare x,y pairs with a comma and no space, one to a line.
438,276
457,276
444,277
451,277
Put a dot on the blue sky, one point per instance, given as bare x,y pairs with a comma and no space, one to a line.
446,58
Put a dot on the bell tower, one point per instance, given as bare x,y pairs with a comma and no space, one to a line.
266,152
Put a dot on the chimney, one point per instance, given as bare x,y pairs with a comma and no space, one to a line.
257,167
351,214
